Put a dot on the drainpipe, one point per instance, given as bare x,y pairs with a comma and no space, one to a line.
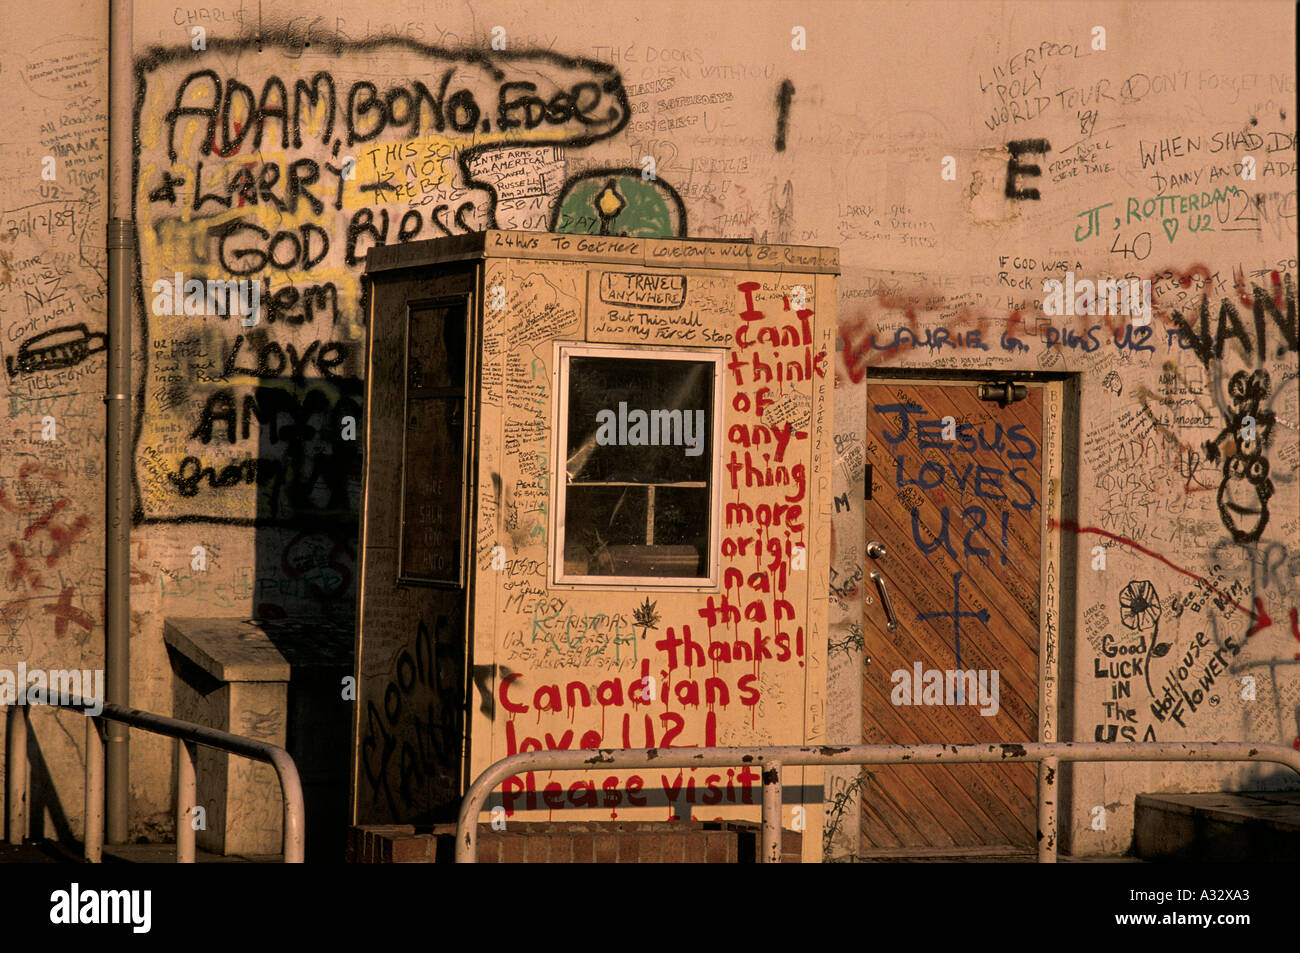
117,400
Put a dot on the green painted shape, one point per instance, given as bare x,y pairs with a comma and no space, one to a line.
648,213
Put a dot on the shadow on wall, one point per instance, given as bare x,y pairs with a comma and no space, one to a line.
305,598
308,500
306,477
44,797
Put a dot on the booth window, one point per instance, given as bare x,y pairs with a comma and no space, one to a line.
434,455
638,488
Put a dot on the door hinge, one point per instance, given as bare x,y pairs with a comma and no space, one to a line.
1003,392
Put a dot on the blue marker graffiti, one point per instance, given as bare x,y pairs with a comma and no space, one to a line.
983,482
956,615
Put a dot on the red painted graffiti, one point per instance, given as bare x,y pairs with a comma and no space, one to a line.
64,611
62,537
1259,618
22,571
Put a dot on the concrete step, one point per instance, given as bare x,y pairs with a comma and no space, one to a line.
1220,826
975,855
956,855
36,852
54,852
166,854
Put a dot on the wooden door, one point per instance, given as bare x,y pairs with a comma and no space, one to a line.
955,496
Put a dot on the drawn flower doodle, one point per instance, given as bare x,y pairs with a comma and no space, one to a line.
1139,605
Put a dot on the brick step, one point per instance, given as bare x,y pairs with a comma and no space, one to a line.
622,842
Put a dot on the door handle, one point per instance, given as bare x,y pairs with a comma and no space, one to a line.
890,617
875,550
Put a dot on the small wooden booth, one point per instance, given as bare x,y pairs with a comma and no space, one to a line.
597,514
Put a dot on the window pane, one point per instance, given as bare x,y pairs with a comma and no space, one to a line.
640,420
639,467
607,532
434,434
436,355
434,481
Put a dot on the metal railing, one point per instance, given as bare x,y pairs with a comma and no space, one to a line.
772,758
188,737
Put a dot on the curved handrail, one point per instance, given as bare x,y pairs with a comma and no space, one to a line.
775,756
277,757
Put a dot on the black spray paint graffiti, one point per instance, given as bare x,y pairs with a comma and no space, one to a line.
1227,646
1189,683
646,617
1208,346
268,170
312,466
1125,660
784,96
1016,169
1246,488
470,94
410,751
1249,419
55,349
1267,581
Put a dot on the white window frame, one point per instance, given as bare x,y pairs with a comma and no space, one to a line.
563,352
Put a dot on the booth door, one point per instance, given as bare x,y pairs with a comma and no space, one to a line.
955,493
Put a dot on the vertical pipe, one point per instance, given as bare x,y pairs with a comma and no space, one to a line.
771,847
1047,777
295,823
185,797
117,398
94,792
295,850
16,772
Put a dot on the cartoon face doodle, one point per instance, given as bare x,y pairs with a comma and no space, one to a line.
1246,488
1244,494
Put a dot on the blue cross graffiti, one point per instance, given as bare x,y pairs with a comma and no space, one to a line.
956,615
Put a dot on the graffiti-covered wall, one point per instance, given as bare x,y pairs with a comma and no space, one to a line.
250,170
958,167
